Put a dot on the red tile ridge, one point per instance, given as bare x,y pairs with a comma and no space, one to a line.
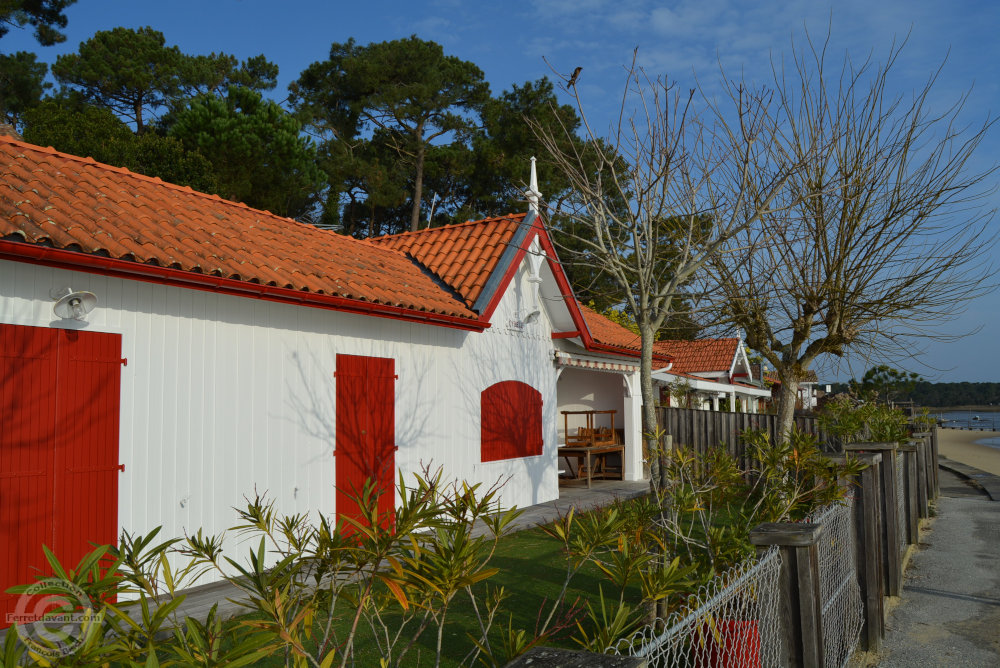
447,228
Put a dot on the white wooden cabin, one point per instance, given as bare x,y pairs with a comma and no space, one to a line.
232,352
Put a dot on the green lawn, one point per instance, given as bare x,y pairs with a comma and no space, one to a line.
532,569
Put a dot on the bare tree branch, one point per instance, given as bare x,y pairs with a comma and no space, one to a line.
882,231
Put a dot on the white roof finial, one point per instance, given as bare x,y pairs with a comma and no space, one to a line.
534,196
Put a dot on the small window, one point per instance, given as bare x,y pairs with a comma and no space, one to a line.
512,421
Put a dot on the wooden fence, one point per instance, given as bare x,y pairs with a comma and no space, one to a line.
702,430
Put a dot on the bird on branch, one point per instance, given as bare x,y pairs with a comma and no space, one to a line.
573,77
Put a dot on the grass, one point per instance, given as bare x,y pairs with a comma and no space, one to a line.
532,569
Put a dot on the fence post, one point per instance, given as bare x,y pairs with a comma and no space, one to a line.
801,608
922,498
934,461
909,454
930,461
931,438
892,571
868,548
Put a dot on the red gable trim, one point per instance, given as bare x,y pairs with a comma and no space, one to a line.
501,290
564,288
96,264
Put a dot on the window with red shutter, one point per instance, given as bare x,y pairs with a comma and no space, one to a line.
511,421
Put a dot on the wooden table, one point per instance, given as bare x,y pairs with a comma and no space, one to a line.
591,441
586,452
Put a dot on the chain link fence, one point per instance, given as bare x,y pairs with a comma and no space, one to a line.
839,591
730,621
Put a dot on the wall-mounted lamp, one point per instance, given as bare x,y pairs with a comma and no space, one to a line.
75,305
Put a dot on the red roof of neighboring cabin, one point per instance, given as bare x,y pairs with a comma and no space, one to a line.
700,356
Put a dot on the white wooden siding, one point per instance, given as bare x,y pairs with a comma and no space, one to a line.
224,396
584,390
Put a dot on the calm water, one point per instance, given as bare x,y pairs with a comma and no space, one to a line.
993,442
977,420
984,420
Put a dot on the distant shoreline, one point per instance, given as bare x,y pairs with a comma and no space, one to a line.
983,409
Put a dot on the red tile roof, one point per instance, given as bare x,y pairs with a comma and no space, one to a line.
700,356
609,333
772,376
463,256
53,199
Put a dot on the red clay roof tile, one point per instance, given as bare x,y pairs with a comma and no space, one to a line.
462,256
71,202
700,356
606,331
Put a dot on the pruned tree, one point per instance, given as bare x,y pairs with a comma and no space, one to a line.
882,237
671,187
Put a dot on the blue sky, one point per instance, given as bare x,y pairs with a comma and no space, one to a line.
512,41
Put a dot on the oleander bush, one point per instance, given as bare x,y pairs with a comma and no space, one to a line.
418,586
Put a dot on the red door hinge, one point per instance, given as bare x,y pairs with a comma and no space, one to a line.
124,361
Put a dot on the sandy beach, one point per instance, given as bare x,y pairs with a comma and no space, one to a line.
960,446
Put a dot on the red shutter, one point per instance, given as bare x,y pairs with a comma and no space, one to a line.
86,492
511,421
366,430
27,443
59,409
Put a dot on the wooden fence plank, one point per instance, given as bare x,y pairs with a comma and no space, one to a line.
701,431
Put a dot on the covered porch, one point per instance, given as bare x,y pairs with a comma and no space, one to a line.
712,395
598,405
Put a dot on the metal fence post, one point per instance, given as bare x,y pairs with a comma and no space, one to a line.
892,570
801,605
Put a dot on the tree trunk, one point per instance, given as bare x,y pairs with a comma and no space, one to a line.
418,187
657,459
137,108
786,407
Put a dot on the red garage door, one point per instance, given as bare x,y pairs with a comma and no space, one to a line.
59,408
366,431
